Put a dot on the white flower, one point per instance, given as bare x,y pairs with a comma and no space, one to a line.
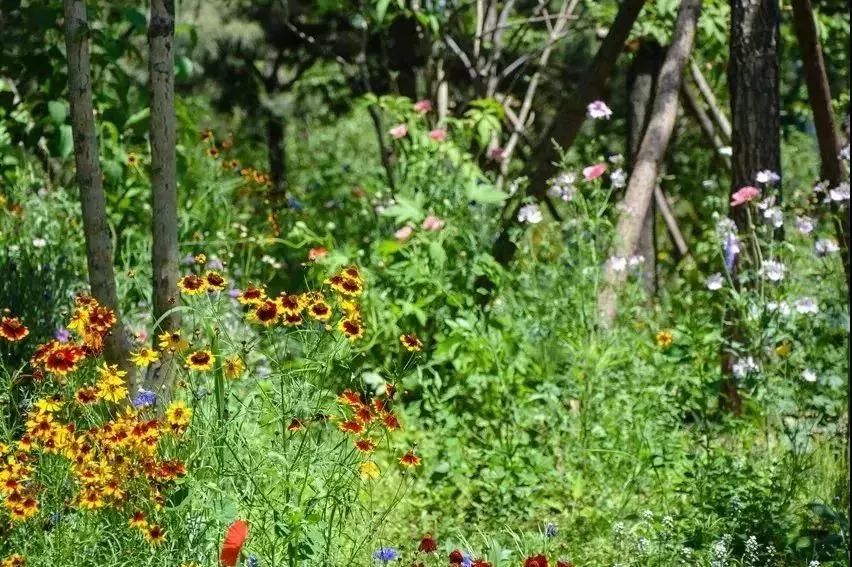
766,203
767,176
715,282
806,305
616,159
39,242
820,187
599,109
708,183
530,214
773,271
563,187
774,216
618,178
744,366
809,375
724,227
617,264
513,187
805,225
726,151
844,153
781,307
839,193
636,260
825,246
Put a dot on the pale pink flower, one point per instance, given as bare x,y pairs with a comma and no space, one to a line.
594,171
744,195
438,134
497,153
433,223
423,106
599,109
404,233
398,131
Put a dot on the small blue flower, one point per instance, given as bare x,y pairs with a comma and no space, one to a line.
467,560
293,203
732,248
550,530
144,398
62,335
252,561
385,554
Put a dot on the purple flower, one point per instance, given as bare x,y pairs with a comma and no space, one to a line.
550,530
215,263
62,335
731,248
188,260
598,109
234,293
144,398
385,554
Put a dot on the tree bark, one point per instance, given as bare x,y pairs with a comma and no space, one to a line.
277,157
755,133
641,84
643,179
99,246
164,203
571,115
819,94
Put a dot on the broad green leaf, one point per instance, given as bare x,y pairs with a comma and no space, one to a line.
484,193
65,143
58,111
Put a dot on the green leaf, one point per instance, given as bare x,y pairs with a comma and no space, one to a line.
381,9
58,111
137,117
406,209
66,141
438,254
484,193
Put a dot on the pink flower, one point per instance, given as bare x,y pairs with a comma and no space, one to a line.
594,171
744,195
398,131
403,233
317,253
599,109
438,134
433,223
422,106
497,153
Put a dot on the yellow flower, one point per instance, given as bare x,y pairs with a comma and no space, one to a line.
368,470
111,389
784,349
144,356
155,534
48,405
178,414
234,367
352,328
411,342
173,341
191,284
664,339
201,360
14,560
200,258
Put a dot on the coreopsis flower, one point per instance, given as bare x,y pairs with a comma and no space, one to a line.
172,341
61,359
365,445
251,295
351,426
144,356
201,360
536,561
266,313
138,520
232,544
319,310
192,284
391,422
178,415
50,404
715,282
368,470
530,214
598,109
594,171
14,560
111,385
351,328
155,534
214,281
290,303
456,557
86,395
664,339
398,131
744,195
409,460
292,319
350,398
295,425
12,329
411,342
428,544
233,367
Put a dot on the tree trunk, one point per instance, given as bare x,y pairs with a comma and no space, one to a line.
99,246
641,84
643,179
755,132
163,138
571,115
819,94
277,158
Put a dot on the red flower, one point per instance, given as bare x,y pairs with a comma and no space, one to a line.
456,557
428,544
12,329
564,564
235,537
480,563
536,561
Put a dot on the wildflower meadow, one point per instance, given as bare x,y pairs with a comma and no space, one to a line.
533,283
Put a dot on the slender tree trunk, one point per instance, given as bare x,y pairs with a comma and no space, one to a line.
277,157
707,93
755,132
693,106
643,179
641,84
99,246
571,115
819,94
163,137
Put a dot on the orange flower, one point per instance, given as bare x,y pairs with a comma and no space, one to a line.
233,543
365,445
350,398
12,329
351,426
295,425
317,253
391,422
409,460
62,359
